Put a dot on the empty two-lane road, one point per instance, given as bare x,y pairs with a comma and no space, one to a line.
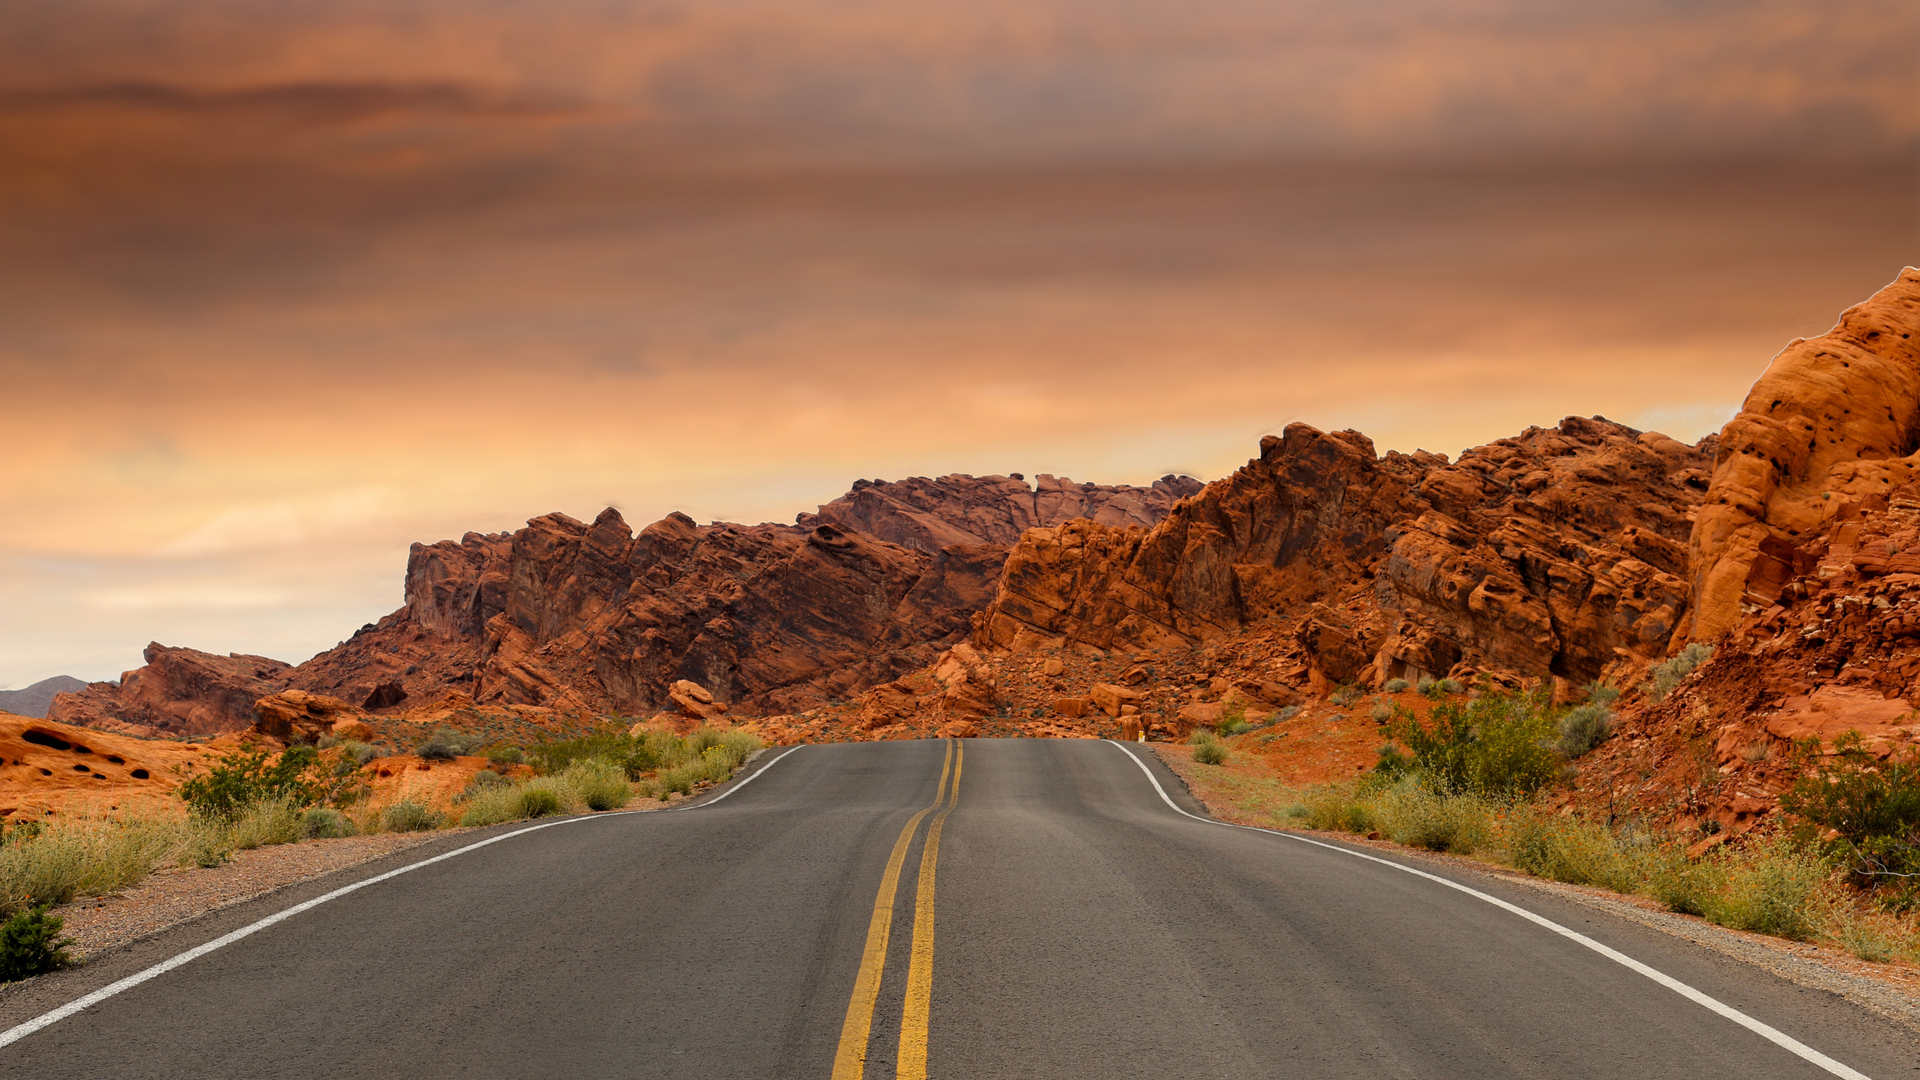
985,909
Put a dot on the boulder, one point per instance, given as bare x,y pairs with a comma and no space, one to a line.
295,716
1112,697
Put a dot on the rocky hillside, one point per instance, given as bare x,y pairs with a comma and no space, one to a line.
594,617
1557,552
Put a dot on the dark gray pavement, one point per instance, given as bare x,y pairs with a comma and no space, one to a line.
1084,930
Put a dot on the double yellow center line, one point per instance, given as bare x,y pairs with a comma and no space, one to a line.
851,1060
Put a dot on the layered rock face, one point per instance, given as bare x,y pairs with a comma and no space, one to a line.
1828,432
1560,551
572,615
933,514
178,692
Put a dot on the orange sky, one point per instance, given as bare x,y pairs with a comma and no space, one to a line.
286,287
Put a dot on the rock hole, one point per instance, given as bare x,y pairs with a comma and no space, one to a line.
46,772
139,774
46,739
81,768
116,759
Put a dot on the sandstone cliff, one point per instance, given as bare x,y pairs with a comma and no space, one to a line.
571,615
1830,429
178,692
1557,552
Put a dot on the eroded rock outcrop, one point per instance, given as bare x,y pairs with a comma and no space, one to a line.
178,692
932,514
1829,430
1560,551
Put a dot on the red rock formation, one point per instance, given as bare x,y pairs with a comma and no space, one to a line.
1831,427
933,514
568,615
178,692
1558,551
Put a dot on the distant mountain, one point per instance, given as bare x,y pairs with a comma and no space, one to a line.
33,700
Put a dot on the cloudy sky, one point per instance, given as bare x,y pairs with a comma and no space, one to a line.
287,286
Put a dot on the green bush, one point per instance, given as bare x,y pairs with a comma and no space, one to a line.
244,777
1382,711
1598,694
409,816
1584,727
1495,745
1663,677
266,822
1396,686
1770,889
445,744
82,857
325,823
1873,806
1570,849
1683,884
1207,750
1345,695
502,758
1414,815
536,799
600,784
30,944
1285,714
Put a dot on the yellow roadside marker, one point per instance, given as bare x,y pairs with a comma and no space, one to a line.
913,1013
851,1060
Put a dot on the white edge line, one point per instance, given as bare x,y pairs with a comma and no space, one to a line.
1766,1031
48,1019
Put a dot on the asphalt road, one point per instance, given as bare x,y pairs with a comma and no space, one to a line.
1077,927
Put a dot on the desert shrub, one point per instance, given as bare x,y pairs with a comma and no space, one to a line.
358,752
537,798
245,777
1867,938
482,781
208,843
1412,814
1396,686
445,744
30,944
1495,745
1233,720
409,816
1345,695
1683,884
600,784
1873,806
1285,714
1664,676
502,758
266,822
1771,888
1332,809
1598,694
1584,727
1207,750
491,806
325,823
82,857
1570,849
1382,711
